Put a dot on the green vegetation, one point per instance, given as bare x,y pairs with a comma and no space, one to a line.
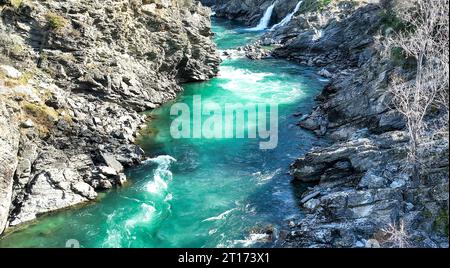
322,4
12,49
399,58
16,49
41,111
44,116
441,222
55,21
22,80
390,20
16,3
25,78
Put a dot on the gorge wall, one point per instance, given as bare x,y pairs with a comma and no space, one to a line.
361,185
250,11
74,76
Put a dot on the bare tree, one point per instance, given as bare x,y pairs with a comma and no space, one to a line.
397,236
424,39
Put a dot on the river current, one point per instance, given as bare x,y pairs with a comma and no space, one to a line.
198,192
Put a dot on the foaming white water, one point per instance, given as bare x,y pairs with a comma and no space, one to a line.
163,161
162,174
145,215
118,234
113,235
232,73
158,185
265,20
231,54
169,197
252,239
212,231
288,18
113,239
147,212
262,178
258,87
221,216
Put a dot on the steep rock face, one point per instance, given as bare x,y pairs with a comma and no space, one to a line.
362,189
363,186
251,11
124,51
75,75
9,145
348,54
338,41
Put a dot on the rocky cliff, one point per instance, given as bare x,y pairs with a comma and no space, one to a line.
365,194
250,11
362,193
74,76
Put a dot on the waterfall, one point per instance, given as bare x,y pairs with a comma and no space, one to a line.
265,20
288,18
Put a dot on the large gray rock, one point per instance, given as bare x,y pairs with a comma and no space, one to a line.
9,146
53,184
359,155
111,161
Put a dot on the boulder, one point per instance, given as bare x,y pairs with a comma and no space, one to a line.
10,71
27,124
107,171
111,161
372,181
325,73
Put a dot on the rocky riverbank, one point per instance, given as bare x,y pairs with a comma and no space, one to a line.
364,195
73,78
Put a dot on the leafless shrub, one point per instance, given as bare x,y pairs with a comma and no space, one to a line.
397,236
424,39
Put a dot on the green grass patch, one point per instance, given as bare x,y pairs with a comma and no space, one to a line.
41,111
322,4
55,21
22,80
43,116
16,3
390,20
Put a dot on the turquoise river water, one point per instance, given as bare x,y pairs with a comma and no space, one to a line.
200,192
